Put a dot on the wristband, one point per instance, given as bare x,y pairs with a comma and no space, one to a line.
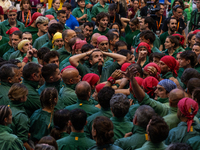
111,80
25,60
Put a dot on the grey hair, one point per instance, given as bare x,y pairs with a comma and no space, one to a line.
198,35
113,30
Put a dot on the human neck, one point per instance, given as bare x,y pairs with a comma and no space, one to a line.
40,33
101,29
25,10
13,24
170,32
33,25
67,47
111,47
77,131
47,109
102,2
171,51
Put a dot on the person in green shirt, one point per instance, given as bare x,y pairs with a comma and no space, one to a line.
137,137
102,132
10,22
10,74
3,40
194,20
51,57
191,41
104,96
102,22
53,10
41,121
112,39
81,13
88,30
61,15
77,138
194,142
7,139
20,120
57,41
157,132
83,92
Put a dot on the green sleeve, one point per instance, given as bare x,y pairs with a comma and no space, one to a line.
88,15
83,70
16,145
191,21
156,43
74,13
94,12
185,17
6,56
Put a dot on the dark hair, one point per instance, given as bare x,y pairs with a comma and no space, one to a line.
4,113
19,33
22,2
72,41
111,36
189,38
54,27
47,99
7,71
120,43
138,67
169,19
42,51
100,16
44,147
53,1
158,129
95,50
60,120
78,118
192,84
176,7
60,12
112,7
80,36
124,52
80,0
67,5
86,48
196,95
174,39
15,61
90,24
158,55
119,104
134,21
49,55
189,55
82,92
48,71
179,146
29,69
181,3
150,22
148,35
188,74
117,25
104,130
48,140
104,96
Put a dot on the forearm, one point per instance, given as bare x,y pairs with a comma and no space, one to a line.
119,58
74,60
123,91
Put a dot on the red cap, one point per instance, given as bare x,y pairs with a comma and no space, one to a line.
99,87
11,30
34,17
91,78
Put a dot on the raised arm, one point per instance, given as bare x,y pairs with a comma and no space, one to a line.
124,22
119,58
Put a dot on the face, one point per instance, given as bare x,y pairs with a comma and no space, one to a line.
38,76
196,49
161,92
163,67
56,5
111,13
130,58
192,40
143,51
168,43
81,4
57,75
17,76
103,22
97,57
142,25
62,18
15,41
178,58
43,27
178,13
19,65
162,9
103,46
183,63
27,46
68,11
59,42
142,4
94,41
95,95
26,5
135,5
173,25
156,60
132,26
12,16
54,60
115,27
27,37
87,31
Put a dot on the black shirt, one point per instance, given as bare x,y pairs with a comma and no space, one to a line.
157,19
143,11
117,19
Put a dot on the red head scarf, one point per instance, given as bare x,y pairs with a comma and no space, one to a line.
11,30
99,87
146,45
172,63
91,78
149,85
155,66
182,38
101,38
68,67
49,16
34,17
79,44
195,31
188,108
139,81
125,66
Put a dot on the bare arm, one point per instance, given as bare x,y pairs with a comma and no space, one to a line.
161,48
119,58
124,22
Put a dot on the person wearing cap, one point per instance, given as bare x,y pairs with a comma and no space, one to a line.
83,92
57,41
187,128
10,22
42,24
32,28
5,47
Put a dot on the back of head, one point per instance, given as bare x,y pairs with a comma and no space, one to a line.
7,71
83,90
104,96
192,84
4,113
78,118
49,140
86,48
148,35
179,146
196,95
120,43
124,52
157,129
48,71
150,22
42,51
119,105
44,147
188,74
138,67
189,55
29,69
144,114
55,27
175,96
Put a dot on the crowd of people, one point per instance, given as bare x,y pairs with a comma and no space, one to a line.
99,75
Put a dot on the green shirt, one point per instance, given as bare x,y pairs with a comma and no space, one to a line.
155,50
20,121
121,127
65,62
194,23
34,37
75,141
97,8
48,44
77,13
30,29
105,147
153,146
6,56
9,141
4,40
15,54
33,99
51,11
136,140
163,100
5,26
41,41
179,49
102,33
194,142
188,49
4,89
180,134
129,35
39,124
88,128
4,48
131,112
63,54
197,67
85,105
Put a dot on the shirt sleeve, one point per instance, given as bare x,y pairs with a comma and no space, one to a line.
94,12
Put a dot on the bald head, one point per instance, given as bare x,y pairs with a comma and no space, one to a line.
94,39
69,75
83,90
174,97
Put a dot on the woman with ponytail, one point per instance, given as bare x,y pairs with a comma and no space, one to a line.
41,120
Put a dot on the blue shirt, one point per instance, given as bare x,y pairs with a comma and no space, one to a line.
72,22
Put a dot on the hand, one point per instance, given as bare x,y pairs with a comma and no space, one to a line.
131,102
117,74
142,54
130,13
128,134
89,52
152,71
130,73
34,52
84,16
88,5
132,49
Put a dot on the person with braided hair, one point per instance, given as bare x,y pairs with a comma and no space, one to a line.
41,120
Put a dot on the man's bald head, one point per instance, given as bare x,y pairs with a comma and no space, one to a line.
94,39
70,75
83,90
174,97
